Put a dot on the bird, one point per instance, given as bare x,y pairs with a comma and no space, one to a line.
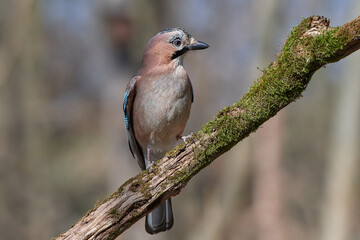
157,106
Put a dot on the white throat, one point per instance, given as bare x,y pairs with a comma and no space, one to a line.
179,61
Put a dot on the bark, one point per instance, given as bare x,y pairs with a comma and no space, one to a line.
309,46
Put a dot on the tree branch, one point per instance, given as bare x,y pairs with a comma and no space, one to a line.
309,46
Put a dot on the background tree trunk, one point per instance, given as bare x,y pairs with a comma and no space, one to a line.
268,202
342,172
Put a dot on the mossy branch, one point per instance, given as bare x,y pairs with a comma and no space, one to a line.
309,46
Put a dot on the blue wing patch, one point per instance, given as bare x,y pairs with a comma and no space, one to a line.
129,99
126,117
125,99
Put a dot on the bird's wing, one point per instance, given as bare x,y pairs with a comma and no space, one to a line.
129,99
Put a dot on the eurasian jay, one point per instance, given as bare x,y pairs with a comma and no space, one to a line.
157,106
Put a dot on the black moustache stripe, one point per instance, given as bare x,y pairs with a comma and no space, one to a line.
180,52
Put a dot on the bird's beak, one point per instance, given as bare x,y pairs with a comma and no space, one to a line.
194,45
197,45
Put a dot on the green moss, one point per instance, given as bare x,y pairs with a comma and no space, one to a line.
115,213
350,30
281,83
97,204
155,168
175,151
140,183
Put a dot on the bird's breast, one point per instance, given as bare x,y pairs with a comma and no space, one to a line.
162,107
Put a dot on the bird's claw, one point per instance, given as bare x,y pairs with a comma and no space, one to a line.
185,138
149,167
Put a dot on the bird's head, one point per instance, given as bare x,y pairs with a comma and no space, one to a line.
169,47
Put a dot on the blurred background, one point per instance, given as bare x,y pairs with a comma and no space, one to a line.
64,65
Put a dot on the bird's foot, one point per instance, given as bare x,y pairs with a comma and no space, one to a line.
185,138
149,163
149,167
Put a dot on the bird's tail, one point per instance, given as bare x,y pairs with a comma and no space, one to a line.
160,219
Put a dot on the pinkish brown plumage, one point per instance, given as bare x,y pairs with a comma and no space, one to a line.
157,106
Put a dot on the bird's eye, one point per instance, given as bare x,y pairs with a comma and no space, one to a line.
177,42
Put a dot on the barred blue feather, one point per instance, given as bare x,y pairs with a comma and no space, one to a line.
126,117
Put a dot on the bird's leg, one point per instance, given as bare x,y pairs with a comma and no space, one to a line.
184,138
148,156
148,163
